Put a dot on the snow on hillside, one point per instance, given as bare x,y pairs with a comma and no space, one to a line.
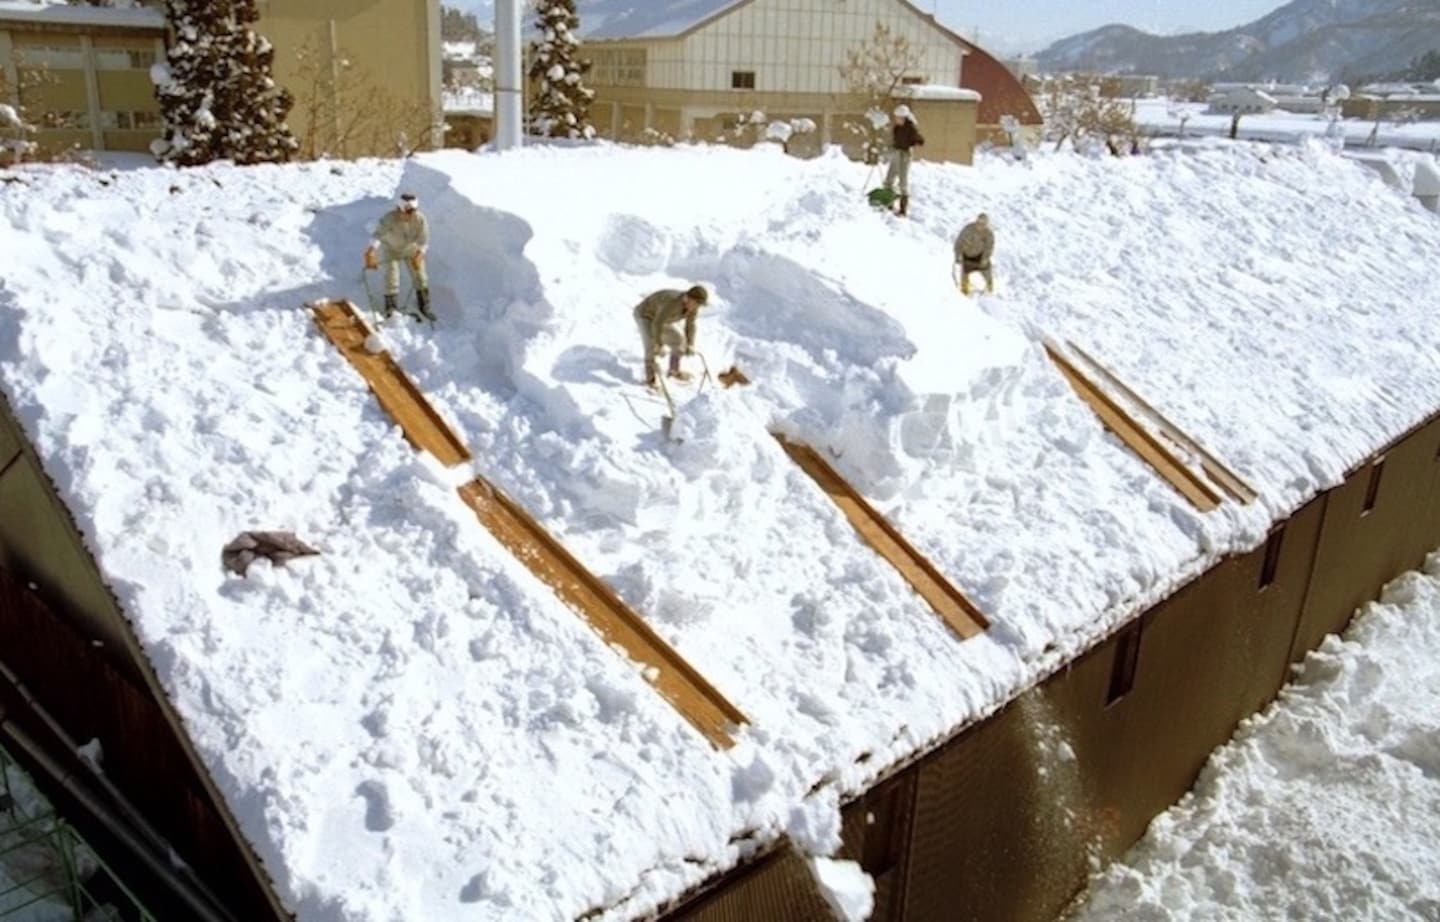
1323,806
412,726
1162,117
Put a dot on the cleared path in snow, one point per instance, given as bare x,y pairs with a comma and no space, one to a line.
949,602
694,697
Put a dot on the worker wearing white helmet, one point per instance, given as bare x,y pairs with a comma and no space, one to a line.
403,234
905,135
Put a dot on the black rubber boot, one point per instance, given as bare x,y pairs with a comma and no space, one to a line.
390,306
904,205
422,298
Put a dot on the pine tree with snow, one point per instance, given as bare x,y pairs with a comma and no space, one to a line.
215,88
560,107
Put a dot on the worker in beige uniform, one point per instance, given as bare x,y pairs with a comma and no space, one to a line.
656,317
402,235
973,248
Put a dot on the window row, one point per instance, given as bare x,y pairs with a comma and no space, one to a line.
745,80
72,57
74,120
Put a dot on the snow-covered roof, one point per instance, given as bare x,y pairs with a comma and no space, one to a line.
615,20
468,102
652,19
412,725
1243,92
462,51
31,11
938,92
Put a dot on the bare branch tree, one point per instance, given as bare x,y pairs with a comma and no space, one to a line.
19,123
1076,111
347,114
872,72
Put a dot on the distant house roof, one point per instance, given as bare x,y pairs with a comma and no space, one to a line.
1244,92
999,91
935,92
653,19
659,19
31,11
468,102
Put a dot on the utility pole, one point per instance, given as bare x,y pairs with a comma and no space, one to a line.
508,86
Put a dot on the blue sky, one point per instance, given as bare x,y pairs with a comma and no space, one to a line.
1027,25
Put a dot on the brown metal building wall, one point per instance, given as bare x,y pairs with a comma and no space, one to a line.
775,886
38,542
9,444
994,825
1360,550
69,645
91,699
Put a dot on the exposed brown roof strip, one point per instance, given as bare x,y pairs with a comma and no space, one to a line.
948,602
679,682
1200,494
421,424
672,676
1221,475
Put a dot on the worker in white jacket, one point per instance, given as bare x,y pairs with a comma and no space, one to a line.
403,234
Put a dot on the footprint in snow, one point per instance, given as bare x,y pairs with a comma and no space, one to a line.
379,813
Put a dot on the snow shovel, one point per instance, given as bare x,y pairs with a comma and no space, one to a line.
666,422
402,307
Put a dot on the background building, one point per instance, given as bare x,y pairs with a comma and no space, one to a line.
82,74
704,74
366,77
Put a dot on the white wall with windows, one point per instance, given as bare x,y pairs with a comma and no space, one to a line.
796,46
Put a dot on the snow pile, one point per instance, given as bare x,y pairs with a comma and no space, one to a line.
847,889
33,877
411,726
1324,806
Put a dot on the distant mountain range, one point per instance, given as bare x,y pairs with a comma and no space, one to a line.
1305,40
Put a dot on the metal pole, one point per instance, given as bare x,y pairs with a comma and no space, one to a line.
508,88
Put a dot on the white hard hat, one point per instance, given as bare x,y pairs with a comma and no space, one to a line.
902,111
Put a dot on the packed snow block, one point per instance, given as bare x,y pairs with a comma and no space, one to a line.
632,245
773,297
1426,185
1382,167
480,278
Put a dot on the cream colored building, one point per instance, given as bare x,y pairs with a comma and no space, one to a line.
368,71
700,77
365,73
82,74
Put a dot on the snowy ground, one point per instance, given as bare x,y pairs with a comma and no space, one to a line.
411,726
1322,807
1161,115
30,868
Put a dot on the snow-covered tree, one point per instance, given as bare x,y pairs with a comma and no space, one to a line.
560,107
1075,110
215,88
15,134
